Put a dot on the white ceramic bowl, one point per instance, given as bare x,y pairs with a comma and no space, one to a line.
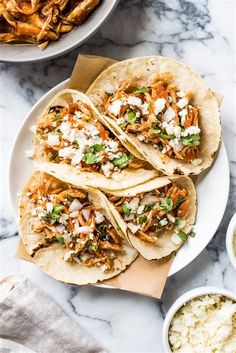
229,240
194,293
31,53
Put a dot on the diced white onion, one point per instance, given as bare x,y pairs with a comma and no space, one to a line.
76,205
86,214
60,228
83,229
74,214
149,199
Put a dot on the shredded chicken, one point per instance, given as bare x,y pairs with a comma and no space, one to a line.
84,240
169,210
41,21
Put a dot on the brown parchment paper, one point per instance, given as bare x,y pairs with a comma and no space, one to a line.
142,276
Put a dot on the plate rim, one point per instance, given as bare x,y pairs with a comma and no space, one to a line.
58,52
62,85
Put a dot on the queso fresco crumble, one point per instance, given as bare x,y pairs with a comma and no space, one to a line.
204,325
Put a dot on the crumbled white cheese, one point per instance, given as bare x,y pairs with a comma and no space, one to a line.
182,102
115,107
145,108
133,204
29,154
53,139
49,206
183,113
169,114
192,130
67,152
171,218
134,101
172,130
112,146
99,218
204,324
176,144
159,105
163,222
107,169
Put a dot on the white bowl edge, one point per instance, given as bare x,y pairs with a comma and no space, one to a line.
182,300
231,230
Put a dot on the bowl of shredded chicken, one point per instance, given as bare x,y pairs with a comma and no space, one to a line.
32,30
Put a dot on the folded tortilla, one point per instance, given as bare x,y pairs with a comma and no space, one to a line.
168,202
163,109
70,233
75,143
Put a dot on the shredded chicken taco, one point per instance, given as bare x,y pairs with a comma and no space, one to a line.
73,142
157,217
162,109
70,232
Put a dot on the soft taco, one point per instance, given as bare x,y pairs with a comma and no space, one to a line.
73,142
70,232
162,109
157,217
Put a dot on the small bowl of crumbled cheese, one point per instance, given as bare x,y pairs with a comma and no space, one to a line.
231,241
202,320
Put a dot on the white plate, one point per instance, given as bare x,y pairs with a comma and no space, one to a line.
31,53
210,209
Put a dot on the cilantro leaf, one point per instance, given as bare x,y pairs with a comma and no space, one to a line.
142,219
180,200
91,158
122,161
139,90
166,205
191,140
70,198
183,236
56,213
56,117
93,247
131,117
60,240
126,210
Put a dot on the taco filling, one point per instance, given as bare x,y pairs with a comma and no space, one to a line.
150,213
64,214
73,135
160,115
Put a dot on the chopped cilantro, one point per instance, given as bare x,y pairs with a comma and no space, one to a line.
52,157
60,240
123,125
139,90
102,228
131,117
176,222
56,213
122,161
191,140
88,118
56,117
46,218
126,210
108,94
183,236
70,198
91,158
142,219
118,228
93,247
148,208
96,148
180,200
166,205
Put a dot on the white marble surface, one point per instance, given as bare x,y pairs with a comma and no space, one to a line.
200,33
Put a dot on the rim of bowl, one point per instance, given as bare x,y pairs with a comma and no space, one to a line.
182,300
229,240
